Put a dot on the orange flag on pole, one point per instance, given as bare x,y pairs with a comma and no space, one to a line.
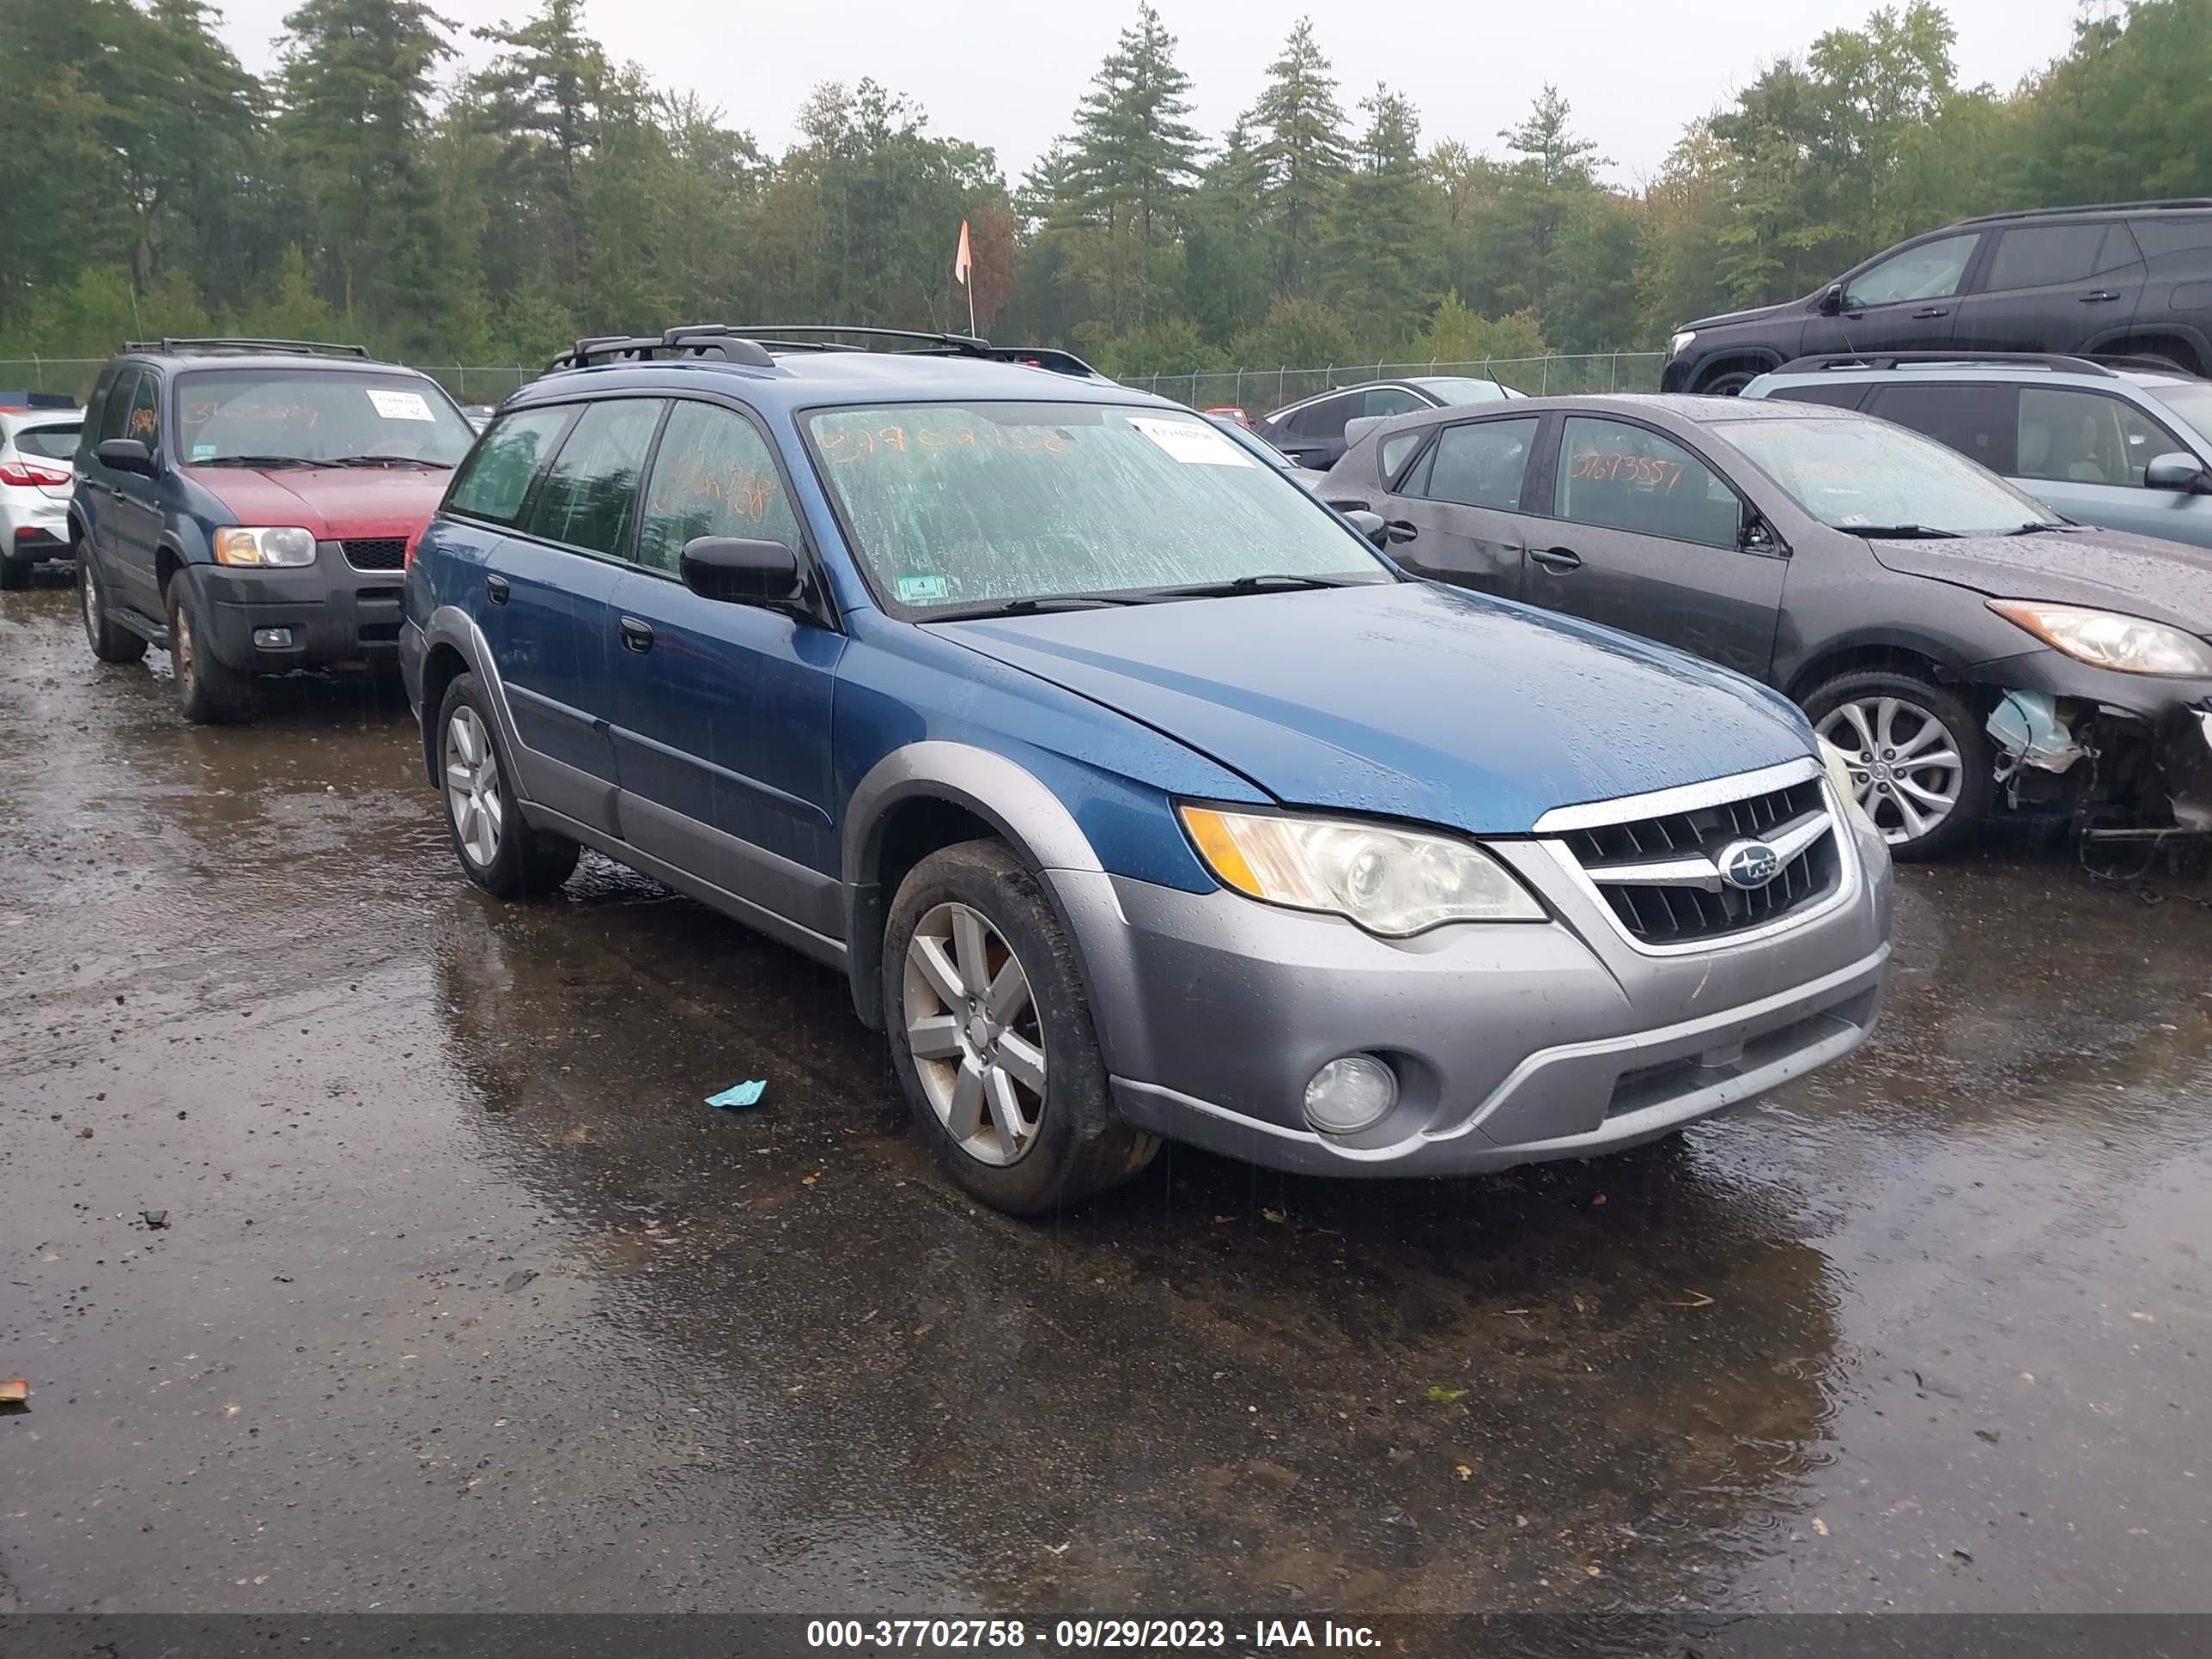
963,262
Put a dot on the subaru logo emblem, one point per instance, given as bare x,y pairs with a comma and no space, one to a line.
1749,865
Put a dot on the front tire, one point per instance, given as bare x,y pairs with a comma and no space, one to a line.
209,693
1921,764
499,851
110,641
992,1037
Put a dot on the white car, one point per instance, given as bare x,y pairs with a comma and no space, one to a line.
36,448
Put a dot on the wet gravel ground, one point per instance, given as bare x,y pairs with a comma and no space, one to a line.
466,1300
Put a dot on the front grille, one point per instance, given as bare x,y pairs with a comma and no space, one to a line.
376,553
1700,907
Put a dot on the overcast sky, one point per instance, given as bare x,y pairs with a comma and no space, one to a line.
1007,73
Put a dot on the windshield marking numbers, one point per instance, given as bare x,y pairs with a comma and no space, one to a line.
1191,442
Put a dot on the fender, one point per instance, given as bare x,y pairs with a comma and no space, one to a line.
1800,682
1032,819
451,625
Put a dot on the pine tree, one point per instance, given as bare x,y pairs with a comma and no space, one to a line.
542,94
1302,151
358,80
1382,241
1135,156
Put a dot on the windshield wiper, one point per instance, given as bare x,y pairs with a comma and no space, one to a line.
1900,532
262,461
1032,606
1264,582
385,460
2041,529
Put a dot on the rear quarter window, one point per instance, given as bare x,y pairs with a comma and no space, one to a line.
494,480
1835,395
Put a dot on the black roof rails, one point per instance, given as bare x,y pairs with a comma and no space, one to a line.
1828,359
2164,205
752,343
688,340
174,346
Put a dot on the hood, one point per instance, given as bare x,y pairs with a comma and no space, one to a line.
332,501
2103,569
1407,700
1756,314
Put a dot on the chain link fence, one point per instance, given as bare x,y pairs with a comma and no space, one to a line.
1254,390
1258,391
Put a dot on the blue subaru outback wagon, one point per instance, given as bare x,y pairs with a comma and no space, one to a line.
1136,795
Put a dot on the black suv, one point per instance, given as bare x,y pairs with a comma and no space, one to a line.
2131,278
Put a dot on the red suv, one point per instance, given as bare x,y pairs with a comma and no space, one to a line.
248,505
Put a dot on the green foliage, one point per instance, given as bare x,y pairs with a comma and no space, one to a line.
1457,335
374,188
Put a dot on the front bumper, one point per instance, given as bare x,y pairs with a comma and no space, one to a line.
34,525
1512,1043
2155,732
322,615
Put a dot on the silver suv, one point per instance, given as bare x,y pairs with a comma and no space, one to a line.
2120,443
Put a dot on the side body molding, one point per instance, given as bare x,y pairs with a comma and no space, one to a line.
1031,818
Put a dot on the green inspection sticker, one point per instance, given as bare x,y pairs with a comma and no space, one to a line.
920,590
203,451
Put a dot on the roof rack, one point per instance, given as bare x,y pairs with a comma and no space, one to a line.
2166,204
751,343
1830,360
172,345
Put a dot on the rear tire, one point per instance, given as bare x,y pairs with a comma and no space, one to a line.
1009,1086
209,693
1896,730
109,640
499,851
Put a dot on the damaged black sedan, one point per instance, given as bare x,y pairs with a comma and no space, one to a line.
1965,647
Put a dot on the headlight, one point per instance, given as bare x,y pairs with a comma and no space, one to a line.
1839,776
286,544
1681,342
2105,639
1392,882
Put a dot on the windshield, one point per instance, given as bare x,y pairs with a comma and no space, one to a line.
1859,474
966,506
1244,437
256,417
2192,401
51,443
1463,389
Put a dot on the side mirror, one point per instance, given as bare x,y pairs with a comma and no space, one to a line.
1832,300
2177,471
739,570
126,455
1370,525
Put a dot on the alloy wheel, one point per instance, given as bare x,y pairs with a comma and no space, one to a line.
473,792
1905,764
972,1029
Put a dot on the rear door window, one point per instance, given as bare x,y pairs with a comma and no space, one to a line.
2047,256
1619,477
2085,437
1482,464
589,498
496,477
712,476
1325,419
1979,421
115,414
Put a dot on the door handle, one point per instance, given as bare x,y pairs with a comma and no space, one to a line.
635,634
497,589
1401,529
1559,559
1933,311
2100,297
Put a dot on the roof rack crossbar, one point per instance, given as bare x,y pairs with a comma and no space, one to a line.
966,344
2156,205
690,339
750,344
1821,361
173,344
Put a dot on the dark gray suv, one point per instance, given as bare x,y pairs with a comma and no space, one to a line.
1951,635
2133,278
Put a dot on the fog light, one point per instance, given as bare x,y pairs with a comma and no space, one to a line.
272,639
1350,1094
